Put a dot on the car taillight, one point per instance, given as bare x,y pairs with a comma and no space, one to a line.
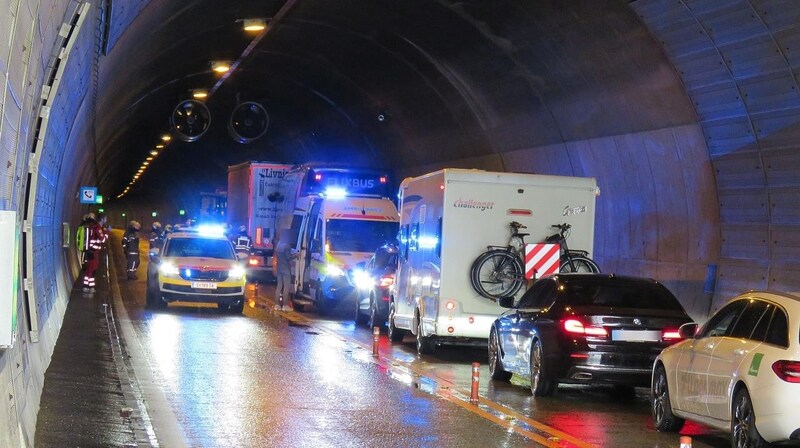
670,335
788,371
574,326
386,281
252,261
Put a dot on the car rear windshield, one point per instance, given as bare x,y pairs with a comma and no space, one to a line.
619,293
200,247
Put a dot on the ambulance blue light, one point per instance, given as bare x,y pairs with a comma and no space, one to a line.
428,242
335,193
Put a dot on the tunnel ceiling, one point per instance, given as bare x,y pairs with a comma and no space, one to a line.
388,84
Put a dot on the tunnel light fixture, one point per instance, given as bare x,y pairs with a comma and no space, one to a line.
159,146
254,25
145,163
154,153
199,94
149,159
166,138
220,66
140,171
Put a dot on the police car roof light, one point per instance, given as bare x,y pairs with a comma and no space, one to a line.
211,230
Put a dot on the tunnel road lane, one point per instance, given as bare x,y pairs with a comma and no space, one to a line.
315,382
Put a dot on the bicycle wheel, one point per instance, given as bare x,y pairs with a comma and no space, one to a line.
579,264
497,273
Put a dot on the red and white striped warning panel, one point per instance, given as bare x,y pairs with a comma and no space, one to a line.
541,259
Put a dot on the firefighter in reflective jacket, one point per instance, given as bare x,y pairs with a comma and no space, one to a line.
93,241
130,242
156,236
242,242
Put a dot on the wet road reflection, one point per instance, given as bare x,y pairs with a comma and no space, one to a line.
261,379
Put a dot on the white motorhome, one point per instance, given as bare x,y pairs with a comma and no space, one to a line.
447,219
338,217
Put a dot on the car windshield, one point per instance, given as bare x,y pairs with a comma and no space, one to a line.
199,247
615,293
351,235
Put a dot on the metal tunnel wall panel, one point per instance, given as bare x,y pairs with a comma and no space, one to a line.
741,72
65,106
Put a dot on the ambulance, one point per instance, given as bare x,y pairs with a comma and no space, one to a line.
338,217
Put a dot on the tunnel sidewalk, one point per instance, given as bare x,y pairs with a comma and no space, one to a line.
83,403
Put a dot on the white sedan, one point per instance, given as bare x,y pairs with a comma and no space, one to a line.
739,372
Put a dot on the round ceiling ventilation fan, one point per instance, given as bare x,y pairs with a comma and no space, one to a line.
190,120
249,121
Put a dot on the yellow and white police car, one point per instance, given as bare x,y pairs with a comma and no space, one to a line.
738,372
196,266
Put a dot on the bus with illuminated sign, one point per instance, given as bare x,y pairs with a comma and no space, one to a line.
338,216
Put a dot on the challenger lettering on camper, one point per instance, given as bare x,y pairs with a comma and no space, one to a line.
471,203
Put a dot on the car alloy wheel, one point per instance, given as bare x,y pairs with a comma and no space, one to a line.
495,364
661,409
743,423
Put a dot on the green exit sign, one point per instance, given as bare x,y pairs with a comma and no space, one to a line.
182,212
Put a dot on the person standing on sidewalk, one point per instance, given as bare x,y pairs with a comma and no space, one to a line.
130,242
285,254
94,240
156,236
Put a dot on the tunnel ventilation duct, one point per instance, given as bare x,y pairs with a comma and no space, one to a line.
248,122
190,120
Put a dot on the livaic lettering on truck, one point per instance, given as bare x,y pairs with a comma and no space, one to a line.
447,219
255,199
338,217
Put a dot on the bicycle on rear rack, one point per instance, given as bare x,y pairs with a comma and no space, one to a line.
500,271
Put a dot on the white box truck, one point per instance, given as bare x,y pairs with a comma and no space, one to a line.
255,200
447,219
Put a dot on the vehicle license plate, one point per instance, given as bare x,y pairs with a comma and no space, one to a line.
636,335
204,285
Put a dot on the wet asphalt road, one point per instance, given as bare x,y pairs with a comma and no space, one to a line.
267,379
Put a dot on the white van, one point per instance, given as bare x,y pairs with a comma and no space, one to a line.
338,217
447,219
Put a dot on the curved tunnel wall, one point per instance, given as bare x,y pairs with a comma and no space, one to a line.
660,212
740,64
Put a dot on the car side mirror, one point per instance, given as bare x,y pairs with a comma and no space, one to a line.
506,302
154,255
688,331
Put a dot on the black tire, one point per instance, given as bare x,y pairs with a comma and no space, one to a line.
660,406
222,308
395,334
497,273
297,306
743,423
579,264
237,309
372,321
153,298
495,364
425,345
360,319
541,386
322,306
